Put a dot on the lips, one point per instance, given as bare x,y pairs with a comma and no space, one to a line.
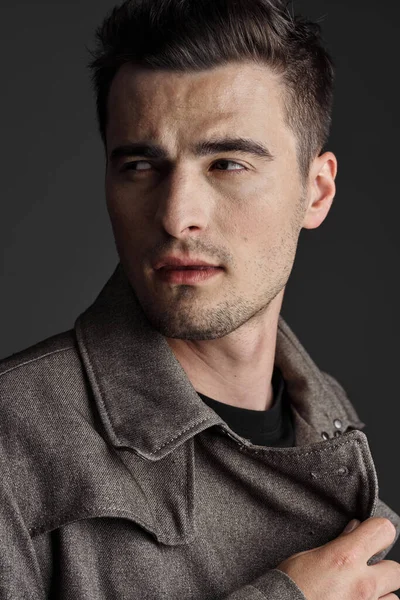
176,262
192,275
187,268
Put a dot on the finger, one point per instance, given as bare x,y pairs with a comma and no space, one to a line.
387,575
371,537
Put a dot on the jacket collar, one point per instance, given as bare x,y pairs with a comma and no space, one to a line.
145,399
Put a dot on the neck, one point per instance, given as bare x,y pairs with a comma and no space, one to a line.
236,369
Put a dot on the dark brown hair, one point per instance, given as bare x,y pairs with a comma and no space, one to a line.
193,35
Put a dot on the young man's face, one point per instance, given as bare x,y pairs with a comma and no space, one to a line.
236,210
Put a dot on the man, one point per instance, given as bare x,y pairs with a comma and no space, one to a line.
179,442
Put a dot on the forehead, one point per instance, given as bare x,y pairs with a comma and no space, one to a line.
241,98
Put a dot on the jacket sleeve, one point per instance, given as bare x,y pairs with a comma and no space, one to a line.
274,585
20,577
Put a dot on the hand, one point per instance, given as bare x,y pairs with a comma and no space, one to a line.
339,570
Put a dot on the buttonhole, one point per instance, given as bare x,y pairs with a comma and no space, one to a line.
342,472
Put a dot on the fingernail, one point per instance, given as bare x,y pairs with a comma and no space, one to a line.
351,526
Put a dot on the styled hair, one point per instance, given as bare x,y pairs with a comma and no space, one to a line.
194,35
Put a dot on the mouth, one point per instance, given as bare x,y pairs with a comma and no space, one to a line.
186,268
188,275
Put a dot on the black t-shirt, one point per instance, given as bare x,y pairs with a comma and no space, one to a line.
272,427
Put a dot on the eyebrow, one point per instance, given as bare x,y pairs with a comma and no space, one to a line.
203,148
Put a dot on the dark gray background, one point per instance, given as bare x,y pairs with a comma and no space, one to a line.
57,246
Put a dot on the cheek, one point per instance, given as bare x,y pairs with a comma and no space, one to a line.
264,233
259,218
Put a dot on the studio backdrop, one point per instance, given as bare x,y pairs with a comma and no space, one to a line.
57,247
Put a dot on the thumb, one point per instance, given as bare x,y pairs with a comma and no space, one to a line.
351,526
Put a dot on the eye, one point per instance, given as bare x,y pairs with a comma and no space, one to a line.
137,166
131,165
238,167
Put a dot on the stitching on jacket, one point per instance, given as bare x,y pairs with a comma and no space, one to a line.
298,452
182,432
97,383
27,362
93,380
37,529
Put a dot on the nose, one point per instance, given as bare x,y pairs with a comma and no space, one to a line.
184,204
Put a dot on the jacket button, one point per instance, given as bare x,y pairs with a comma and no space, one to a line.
337,423
324,435
337,433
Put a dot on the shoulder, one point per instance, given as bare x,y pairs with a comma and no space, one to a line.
37,356
53,457
42,380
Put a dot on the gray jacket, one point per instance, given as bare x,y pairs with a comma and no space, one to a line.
118,482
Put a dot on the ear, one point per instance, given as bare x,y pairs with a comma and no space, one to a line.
321,190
